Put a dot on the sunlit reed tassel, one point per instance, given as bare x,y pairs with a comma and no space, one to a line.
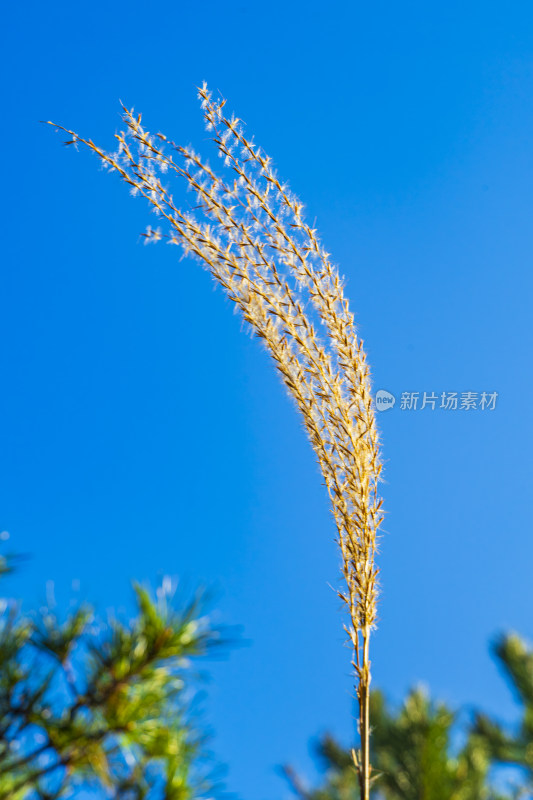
248,229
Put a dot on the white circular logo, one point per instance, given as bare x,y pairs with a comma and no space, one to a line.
384,400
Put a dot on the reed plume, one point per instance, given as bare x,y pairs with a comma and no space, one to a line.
249,231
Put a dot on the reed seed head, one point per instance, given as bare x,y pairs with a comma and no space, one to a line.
248,229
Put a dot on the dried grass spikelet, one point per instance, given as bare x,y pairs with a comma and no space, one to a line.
249,231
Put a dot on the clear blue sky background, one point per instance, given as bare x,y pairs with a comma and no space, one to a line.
143,433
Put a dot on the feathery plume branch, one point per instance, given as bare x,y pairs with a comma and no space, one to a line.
250,233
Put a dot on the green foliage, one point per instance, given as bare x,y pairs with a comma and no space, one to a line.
515,658
103,705
412,757
412,751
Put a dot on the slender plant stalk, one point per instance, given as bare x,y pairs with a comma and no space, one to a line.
248,229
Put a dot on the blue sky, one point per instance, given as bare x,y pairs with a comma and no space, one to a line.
143,432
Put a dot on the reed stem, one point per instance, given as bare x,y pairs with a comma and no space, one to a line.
364,715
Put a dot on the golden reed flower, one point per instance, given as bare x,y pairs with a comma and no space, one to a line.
249,231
